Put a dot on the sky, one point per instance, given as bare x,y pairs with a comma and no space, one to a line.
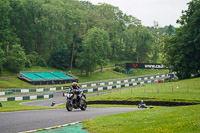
165,12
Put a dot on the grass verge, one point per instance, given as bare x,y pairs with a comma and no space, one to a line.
160,119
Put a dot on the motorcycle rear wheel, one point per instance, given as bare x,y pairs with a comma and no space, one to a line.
69,106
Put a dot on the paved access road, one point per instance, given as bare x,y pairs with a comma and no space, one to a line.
19,121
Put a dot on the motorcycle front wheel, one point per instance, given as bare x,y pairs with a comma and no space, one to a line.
83,105
69,106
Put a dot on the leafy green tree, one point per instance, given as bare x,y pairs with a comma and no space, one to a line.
170,30
16,59
183,48
138,43
2,59
95,50
7,36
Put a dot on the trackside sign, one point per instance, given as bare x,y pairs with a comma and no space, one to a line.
145,66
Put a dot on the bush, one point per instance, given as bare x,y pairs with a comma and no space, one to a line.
28,63
41,62
119,69
34,59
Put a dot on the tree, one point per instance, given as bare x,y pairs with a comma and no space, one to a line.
170,30
7,36
16,59
96,47
2,59
139,43
183,48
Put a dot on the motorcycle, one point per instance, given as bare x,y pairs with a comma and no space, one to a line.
142,105
75,99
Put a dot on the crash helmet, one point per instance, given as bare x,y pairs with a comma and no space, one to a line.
74,85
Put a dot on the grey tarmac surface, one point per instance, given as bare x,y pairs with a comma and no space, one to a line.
19,121
59,99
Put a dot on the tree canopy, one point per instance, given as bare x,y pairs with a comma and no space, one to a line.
182,50
61,32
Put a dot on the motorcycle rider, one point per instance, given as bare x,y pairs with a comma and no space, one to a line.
75,87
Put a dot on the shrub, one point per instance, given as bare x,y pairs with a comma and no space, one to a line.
41,62
117,68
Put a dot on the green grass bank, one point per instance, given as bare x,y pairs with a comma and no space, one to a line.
182,119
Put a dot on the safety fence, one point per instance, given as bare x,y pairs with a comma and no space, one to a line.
122,85
130,79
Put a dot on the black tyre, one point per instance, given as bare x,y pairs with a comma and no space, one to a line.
83,105
69,106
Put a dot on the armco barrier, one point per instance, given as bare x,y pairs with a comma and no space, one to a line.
33,97
132,79
6,93
31,90
121,85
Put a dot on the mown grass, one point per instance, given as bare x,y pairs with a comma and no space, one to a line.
182,119
182,91
159,119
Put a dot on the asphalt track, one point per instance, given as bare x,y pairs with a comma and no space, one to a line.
57,97
20,121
